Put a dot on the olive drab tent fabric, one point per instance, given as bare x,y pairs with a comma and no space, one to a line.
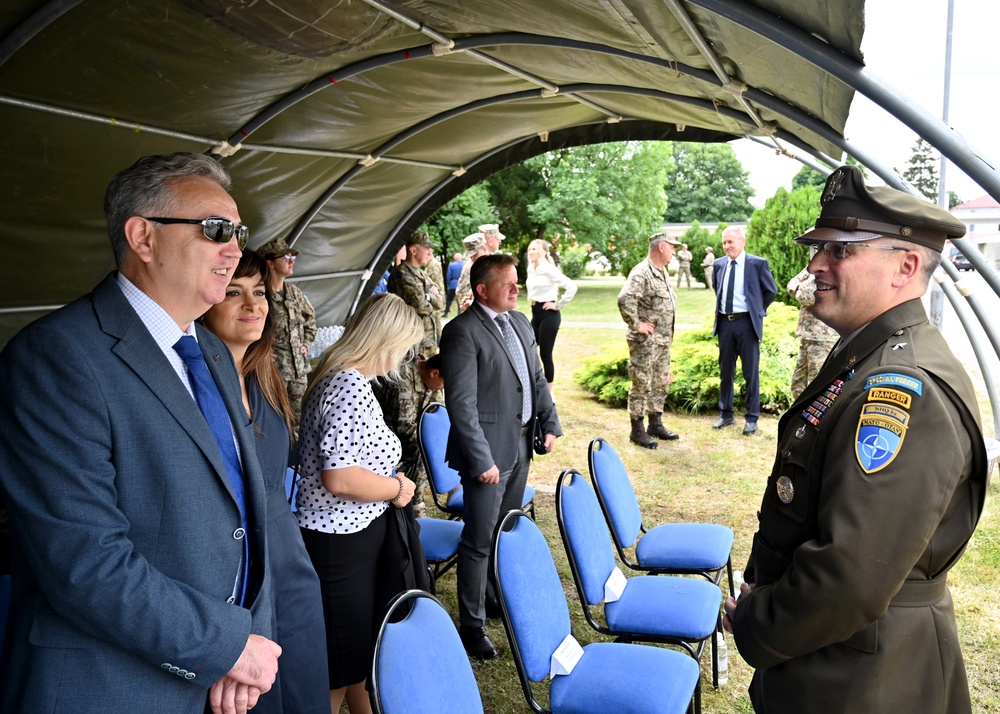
346,123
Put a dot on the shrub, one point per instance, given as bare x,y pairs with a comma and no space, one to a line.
694,366
572,262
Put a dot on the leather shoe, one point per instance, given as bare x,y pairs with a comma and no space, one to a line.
750,428
723,421
477,643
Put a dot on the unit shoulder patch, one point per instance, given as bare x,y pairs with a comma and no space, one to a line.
892,379
881,431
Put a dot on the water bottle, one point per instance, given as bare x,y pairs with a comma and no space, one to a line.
722,649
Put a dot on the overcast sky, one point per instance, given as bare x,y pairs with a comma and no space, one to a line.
904,45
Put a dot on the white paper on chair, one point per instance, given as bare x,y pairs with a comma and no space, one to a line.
615,586
564,659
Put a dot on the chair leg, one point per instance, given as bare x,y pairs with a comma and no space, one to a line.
715,653
432,579
729,569
696,702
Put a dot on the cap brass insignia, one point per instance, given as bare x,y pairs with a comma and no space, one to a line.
833,185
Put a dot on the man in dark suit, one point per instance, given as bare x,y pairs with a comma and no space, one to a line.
745,287
139,581
495,389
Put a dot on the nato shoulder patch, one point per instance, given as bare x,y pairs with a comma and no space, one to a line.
880,435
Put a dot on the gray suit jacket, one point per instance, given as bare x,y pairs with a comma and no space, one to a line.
483,392
123,518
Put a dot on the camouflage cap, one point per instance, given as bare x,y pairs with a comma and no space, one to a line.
491,230
854,212
661,237
473,244
419,238
275,249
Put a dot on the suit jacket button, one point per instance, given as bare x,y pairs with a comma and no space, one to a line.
230,600
189,675
165,665
239,533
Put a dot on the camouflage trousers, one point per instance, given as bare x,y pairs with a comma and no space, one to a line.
649,370
709,278
684,272
812,355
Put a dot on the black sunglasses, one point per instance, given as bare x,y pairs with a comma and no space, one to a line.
216,229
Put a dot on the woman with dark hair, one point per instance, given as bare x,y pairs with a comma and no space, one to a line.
243,322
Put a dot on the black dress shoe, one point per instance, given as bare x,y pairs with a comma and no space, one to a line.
477,643
750,428
723,421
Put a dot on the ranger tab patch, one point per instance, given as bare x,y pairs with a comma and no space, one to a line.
880,437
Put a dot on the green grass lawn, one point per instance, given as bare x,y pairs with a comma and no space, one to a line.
708,475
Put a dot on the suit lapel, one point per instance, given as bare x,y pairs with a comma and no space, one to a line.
137,348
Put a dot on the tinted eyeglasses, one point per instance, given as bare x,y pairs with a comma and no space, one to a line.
220,230
839,251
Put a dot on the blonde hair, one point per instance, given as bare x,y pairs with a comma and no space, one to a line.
545,247
381,333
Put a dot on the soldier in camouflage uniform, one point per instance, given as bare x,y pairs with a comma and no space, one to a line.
403,401
684,258
815,338
433,270
475,246
647,304
411,282
707,264
294,320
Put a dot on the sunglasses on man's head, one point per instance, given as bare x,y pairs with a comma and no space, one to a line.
216,229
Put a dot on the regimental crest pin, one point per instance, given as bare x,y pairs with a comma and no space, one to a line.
786,490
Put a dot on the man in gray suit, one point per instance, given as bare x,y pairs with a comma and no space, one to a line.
139,580
495,389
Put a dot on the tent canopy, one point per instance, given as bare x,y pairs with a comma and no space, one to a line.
346,124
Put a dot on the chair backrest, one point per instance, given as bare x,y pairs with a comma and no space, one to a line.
432,435
585,536
615,493
531,595
406,677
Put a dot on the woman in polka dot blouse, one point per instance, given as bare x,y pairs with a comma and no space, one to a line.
348,457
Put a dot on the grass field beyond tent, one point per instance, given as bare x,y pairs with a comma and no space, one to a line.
709,475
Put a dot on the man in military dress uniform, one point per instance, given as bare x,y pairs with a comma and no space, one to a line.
815,338
294,320
684,258
647,303
877,486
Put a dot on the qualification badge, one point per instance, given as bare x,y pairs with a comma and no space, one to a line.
786,490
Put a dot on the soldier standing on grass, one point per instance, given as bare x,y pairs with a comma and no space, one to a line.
684,257
294,320
815,338
647,304
708,264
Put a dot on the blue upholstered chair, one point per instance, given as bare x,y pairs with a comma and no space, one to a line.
439,539
651,608
409,678
609,676
671,548
444,482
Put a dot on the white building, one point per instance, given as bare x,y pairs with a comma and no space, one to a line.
981,217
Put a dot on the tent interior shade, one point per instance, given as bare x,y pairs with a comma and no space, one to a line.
345,124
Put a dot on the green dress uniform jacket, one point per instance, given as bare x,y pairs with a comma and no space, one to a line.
878,484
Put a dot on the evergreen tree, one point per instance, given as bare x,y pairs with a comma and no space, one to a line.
921,171
773,228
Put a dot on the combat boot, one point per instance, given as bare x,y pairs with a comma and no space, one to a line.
657,429
640,437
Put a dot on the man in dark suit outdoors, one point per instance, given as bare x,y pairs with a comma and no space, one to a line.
495,389
127,462
745,287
